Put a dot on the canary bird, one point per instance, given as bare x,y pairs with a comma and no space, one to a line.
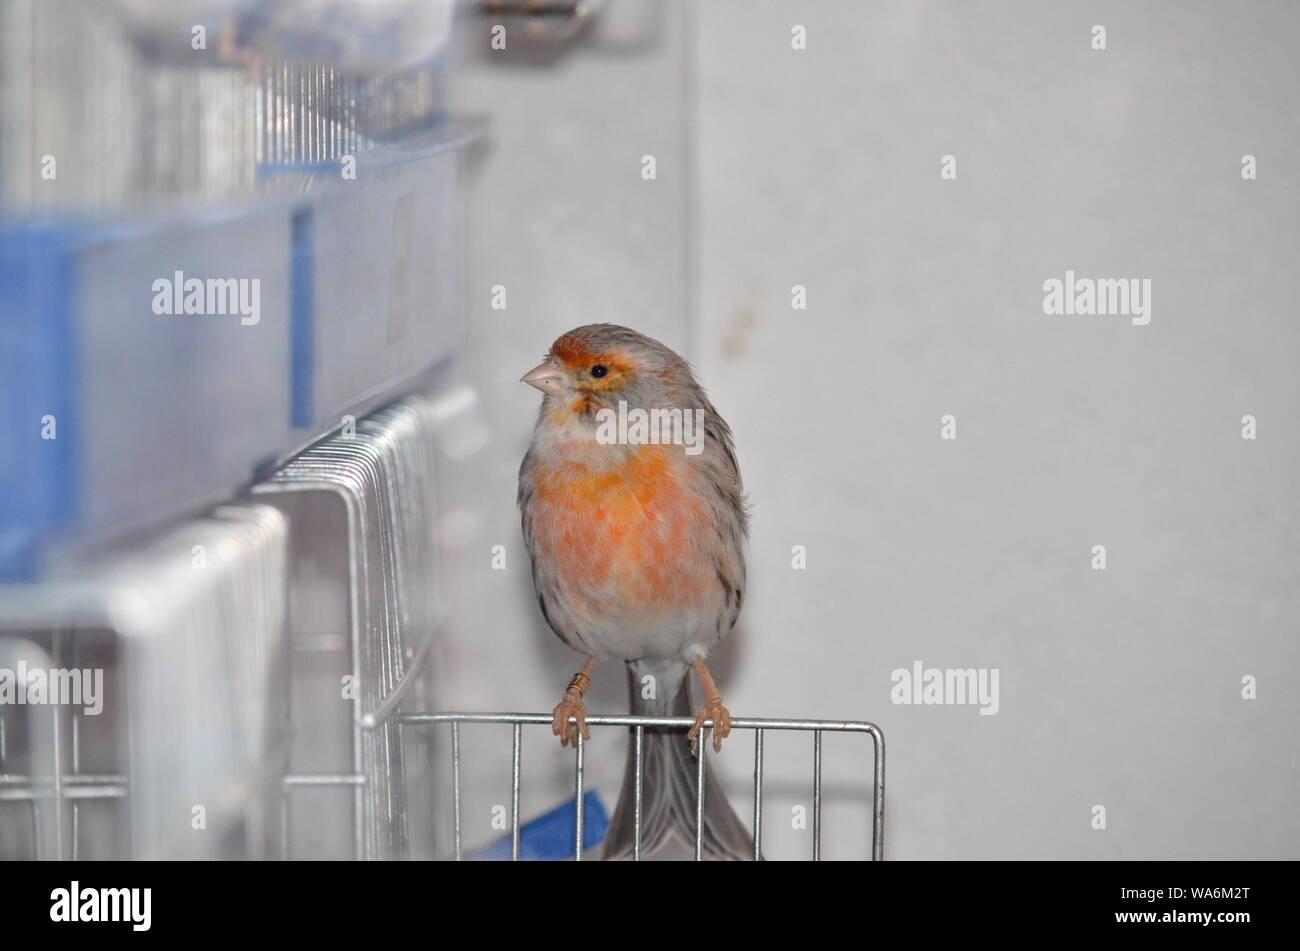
636,537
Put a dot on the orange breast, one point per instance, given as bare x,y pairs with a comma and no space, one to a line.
636,532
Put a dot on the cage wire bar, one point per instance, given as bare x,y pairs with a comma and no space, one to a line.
760,725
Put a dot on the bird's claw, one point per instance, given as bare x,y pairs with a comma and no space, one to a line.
721,717
567,709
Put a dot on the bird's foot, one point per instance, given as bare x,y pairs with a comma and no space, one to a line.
570,708
721,717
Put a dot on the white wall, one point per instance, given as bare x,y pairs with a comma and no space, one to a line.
821,167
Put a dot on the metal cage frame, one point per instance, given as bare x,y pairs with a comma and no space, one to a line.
638,724
392,627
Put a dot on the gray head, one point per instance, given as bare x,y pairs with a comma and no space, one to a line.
594,367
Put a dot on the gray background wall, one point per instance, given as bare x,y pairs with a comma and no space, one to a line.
820,167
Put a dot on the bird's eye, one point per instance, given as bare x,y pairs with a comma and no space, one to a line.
599,370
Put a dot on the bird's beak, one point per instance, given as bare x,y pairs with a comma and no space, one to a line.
546,378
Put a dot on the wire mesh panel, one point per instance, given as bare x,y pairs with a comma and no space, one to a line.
638,724
362,612
179,750
189,627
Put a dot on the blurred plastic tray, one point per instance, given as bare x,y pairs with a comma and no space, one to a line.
153,415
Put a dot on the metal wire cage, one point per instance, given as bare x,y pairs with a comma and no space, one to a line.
275,667
360,510
181,757
285,686
638,726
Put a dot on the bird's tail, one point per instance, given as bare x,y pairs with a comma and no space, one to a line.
668,777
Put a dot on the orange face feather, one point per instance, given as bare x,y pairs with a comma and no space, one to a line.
578,360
